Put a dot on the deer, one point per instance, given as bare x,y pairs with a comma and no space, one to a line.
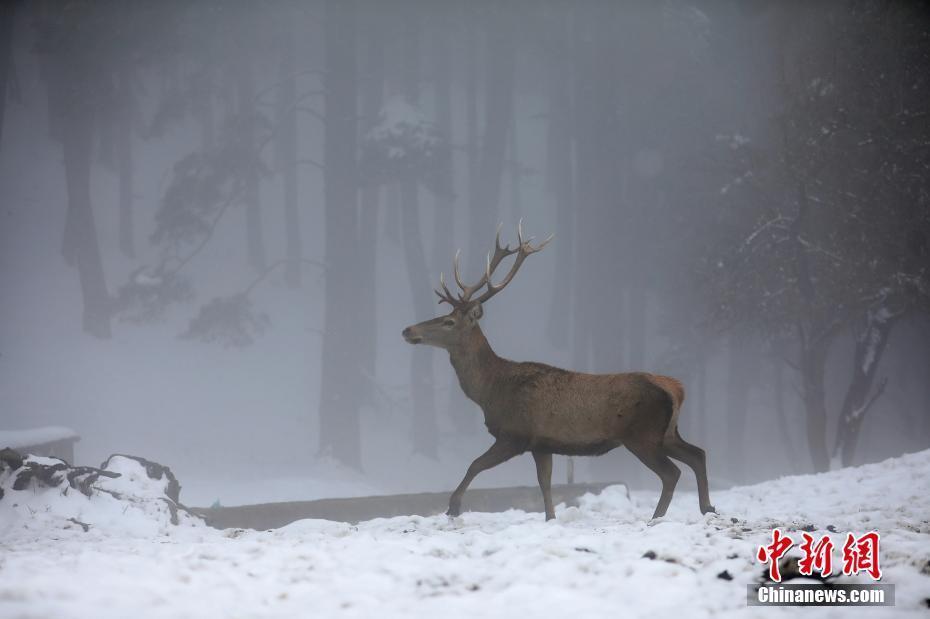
545,410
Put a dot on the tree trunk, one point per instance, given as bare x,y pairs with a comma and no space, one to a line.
516,171
392,208
372,99
83,248
462,411
498,112
124,130
813,366
471,122
7,15
585,183
595,191
923,375
699,405
253,216
55,73
739,377
424,431
870,346
339,402
778,388
598,330
443,221
636,326
205,113
287,158
559,175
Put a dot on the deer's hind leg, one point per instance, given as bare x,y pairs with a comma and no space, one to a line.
661,465
648,447
694,457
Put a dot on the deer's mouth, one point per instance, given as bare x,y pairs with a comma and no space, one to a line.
411,337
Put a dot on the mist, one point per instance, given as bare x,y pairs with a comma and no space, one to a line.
216,218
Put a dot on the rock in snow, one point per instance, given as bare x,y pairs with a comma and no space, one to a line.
602,558
127,495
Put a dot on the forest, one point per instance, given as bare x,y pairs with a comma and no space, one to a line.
218,216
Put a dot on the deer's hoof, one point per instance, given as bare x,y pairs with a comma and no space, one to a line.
709,509
454,510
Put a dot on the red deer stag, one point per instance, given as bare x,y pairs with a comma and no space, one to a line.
546,410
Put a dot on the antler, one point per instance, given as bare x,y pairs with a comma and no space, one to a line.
523,249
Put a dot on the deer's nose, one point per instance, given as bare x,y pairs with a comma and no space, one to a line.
410,336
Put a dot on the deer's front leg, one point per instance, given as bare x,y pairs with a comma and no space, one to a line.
544,475
499,452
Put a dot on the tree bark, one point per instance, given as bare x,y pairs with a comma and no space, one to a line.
559,174
247,115
594,199
462,411
7,15
597,312
424,430
471,121
124,130
699,406
739,377
778,390
498,112
585,183
82,245
812,364
443,221
287,158
870,346
372,100
339,405
206,114
516,170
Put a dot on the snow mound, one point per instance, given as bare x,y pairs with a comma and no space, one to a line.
126,496
604,558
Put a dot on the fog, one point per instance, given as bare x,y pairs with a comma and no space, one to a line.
216,218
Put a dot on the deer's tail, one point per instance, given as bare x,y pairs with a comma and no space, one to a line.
676,391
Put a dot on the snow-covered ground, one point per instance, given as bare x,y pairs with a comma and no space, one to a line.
588,562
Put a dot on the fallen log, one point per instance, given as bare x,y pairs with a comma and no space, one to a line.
357,509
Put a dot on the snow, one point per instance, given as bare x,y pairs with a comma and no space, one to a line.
331,481
873,335
131,505
400,119
35,436
397,111
589,561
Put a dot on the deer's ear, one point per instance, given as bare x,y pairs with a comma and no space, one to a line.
474,313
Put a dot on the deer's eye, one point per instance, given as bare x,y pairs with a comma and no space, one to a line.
448,322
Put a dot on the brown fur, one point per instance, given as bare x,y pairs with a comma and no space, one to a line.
676,390
547,410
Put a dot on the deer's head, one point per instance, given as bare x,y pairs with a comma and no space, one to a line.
450,330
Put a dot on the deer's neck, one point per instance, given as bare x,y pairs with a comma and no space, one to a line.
476,366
